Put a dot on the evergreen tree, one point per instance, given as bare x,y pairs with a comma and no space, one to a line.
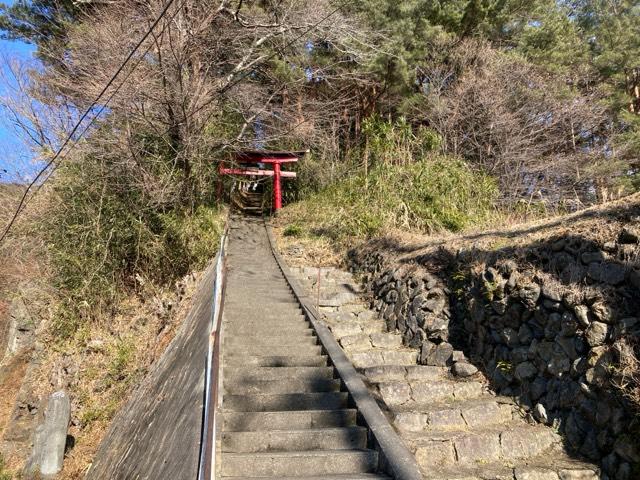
41,22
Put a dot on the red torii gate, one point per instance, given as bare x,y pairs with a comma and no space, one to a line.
265,157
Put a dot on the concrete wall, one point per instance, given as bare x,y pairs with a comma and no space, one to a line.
156,435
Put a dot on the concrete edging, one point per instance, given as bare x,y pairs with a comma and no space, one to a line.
396,459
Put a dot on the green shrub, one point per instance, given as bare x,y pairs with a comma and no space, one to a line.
4,475
437,193
292,231
397,142
108,233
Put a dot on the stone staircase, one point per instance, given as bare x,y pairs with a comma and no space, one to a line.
284,412
456,427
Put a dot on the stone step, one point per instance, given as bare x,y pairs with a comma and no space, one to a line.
283,385
317,462
354,327
274,350
555,466
277,373
292,339
510,443
375,358
413,395
276,361
295,440
465,415
387,373
293,419
285,402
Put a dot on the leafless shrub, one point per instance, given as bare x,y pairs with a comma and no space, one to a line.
513,119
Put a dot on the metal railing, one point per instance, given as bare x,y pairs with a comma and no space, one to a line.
207,463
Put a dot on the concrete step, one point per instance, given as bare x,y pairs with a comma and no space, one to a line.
260,312
277,373
249,290
264,282
294,419
285,402
246,267
283,385
350,476
317,462
465,415
262,316
276,284
276,361
275,301
292,339
274,350
279,291
247,299
266,329
295,440
285,338
259,285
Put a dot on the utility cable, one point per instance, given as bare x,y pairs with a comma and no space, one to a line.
69,137
86,113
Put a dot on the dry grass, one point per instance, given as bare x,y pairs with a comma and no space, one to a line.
599,223
306,251
508,229
11,375
628,369
102,363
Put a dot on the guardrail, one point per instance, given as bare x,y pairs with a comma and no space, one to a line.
207,463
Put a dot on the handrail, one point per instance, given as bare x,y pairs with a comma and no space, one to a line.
396,459
206,468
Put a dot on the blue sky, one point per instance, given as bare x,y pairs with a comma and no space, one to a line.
15,156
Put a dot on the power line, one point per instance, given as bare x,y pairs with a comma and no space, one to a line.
105,103
221,91
69,137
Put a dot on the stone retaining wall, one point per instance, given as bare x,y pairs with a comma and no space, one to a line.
546,322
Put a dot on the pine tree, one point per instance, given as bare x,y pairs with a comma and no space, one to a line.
41,22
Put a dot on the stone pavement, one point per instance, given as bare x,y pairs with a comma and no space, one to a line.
447,415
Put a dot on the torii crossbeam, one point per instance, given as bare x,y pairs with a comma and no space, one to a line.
264,157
